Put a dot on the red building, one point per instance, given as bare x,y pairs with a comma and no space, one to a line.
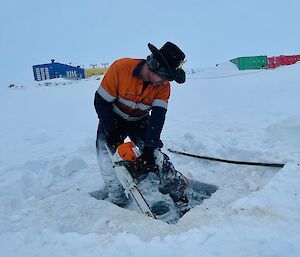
276,61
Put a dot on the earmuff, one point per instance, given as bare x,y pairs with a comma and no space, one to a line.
152,63
154,66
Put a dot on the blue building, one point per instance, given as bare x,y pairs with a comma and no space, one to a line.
56,70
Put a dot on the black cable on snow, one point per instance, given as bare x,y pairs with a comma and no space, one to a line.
275,165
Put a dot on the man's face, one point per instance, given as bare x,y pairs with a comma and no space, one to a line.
156,80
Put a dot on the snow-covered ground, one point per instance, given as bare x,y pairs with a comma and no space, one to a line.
48,166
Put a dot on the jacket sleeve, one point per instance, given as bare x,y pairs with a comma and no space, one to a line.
162,97
108,88
105,114
157,118
155,126
104,98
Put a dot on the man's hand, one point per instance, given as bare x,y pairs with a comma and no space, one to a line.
114,139
145,160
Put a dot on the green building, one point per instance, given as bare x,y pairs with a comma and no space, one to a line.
251,62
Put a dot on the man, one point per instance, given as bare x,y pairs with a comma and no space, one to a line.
130,89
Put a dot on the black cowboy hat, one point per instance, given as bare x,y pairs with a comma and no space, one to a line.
167,62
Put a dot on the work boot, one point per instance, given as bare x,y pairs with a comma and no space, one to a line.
120,201
117,195
171,180
100,194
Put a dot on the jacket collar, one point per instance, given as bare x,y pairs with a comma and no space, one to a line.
137,71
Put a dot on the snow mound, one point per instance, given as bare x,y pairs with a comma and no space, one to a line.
286,133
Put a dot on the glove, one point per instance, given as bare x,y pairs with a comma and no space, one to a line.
145,160
115,138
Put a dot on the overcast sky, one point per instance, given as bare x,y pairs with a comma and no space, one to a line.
95,31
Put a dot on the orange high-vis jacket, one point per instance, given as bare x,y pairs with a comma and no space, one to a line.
123,87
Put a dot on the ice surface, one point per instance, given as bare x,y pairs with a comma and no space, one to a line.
48,167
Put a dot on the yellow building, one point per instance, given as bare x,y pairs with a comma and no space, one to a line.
94,72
